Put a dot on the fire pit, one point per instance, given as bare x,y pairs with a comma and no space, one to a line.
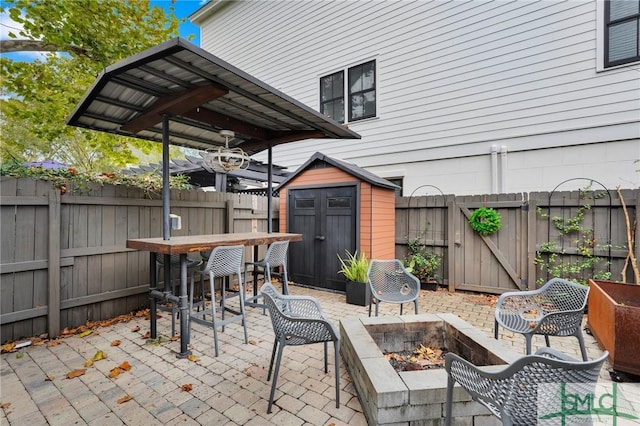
390,397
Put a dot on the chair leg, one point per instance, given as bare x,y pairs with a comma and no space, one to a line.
242,310
275,377
336,346
527,338
495,329
285,280
583,350
401,305
273,356
546,340
377,306
415,303
326,361
449,403
214,316
370,302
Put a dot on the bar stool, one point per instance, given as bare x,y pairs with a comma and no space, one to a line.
223,262
276,256
192,265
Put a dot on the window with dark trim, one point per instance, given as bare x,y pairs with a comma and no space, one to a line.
622,32
360,91
332,96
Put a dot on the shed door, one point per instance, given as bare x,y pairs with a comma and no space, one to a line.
326,217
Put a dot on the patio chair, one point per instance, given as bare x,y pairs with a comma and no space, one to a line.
390,282
298,320
276,256
192,265
526,389
223,263
556,309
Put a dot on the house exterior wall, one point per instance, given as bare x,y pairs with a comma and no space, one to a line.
455,80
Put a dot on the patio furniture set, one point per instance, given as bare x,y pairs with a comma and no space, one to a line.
556,309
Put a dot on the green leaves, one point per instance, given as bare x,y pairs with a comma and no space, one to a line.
354,267
82,37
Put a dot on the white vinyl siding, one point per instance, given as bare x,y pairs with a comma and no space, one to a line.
452,77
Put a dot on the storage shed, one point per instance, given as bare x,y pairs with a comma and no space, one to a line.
336,206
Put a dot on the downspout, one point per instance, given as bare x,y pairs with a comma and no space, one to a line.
503,169
494,169
269,190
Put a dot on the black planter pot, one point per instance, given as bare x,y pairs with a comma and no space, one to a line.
358,293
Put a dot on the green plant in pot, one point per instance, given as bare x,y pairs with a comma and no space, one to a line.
354,267
422,263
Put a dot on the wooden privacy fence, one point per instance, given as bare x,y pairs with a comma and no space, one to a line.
575,234
63,259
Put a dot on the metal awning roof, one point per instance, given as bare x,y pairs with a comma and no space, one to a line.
201,95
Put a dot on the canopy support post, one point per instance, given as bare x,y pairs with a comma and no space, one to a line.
166,193
270,191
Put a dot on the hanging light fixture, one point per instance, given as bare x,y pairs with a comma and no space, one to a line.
224,159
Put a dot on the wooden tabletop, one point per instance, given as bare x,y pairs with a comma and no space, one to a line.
195,243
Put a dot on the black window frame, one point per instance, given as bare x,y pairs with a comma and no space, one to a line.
351,94
346,96
609,23
329,101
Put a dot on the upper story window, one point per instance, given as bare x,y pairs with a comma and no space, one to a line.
360,89
622,32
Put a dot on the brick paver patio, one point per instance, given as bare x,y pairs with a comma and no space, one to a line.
228,390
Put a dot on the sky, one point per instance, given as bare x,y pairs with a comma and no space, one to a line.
183,8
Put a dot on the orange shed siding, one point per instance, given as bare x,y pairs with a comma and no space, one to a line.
376,209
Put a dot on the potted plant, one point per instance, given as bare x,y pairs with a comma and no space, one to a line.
354,267
423,264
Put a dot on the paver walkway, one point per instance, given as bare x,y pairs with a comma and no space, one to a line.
228,390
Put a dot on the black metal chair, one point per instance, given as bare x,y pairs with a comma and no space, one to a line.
556,309
524,390
391,282
298,320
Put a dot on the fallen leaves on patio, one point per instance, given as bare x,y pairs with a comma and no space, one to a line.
193,358
5,405
9,347
76,373
116,371
116,343
49,378
135,329
187,387
97,357
124,399
85,333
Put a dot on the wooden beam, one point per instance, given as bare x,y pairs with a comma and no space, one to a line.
223,121
174,104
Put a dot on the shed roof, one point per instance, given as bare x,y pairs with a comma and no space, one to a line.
201,94
350,168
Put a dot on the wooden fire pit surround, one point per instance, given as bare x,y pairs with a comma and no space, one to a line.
415,397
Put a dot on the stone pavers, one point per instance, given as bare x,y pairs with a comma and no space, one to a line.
228,390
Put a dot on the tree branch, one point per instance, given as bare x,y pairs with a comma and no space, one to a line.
7,46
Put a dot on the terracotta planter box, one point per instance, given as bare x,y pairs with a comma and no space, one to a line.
614,321
358,293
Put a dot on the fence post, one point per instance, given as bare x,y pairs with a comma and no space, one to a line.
453,241
53,317
532,225
230,216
